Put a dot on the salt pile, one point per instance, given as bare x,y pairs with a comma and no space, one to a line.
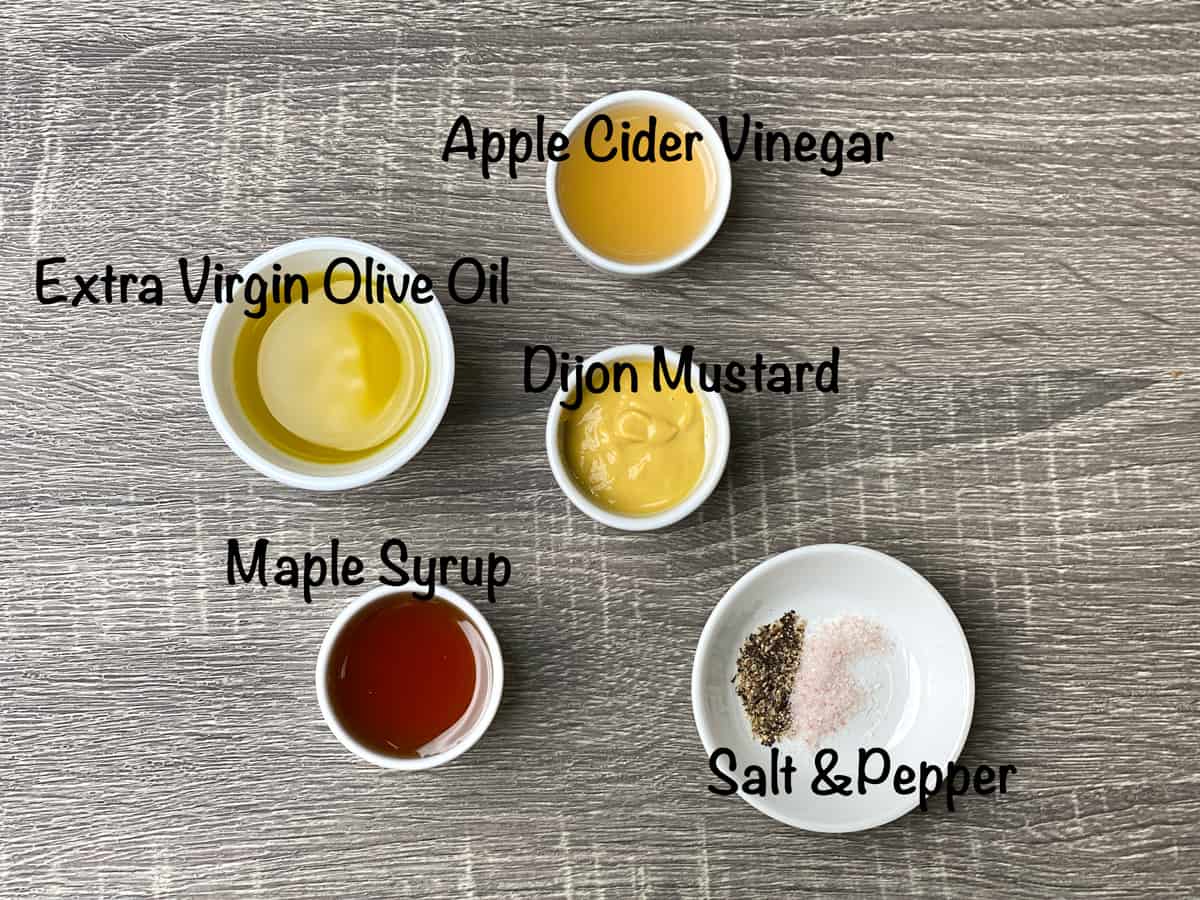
826,694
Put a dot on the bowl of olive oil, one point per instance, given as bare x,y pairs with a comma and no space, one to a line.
318,382
645,184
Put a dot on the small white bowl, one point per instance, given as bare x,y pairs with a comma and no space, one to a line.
485,712
716,148
716,447
923,692
224,323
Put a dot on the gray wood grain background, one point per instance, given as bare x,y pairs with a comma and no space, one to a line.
1015,294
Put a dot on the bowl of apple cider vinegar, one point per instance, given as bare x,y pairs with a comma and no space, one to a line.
334,388
409,682
645,185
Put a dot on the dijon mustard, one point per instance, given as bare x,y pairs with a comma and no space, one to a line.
635,451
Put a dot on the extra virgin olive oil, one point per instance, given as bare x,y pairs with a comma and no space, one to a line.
331,382
637,211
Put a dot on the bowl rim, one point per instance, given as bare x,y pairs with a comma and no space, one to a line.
716,414
703,651
386,460
724,184
404,763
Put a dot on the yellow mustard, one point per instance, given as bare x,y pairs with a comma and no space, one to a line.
635,453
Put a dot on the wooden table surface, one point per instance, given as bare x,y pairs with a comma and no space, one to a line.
1014,291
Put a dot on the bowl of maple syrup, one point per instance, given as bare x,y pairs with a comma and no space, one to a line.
406,682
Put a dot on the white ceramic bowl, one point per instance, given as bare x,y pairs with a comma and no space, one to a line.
221,330
697,122
924,692
484,710
716,447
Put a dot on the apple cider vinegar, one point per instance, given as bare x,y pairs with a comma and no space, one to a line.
639,185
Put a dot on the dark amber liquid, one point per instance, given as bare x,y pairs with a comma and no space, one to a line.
407,676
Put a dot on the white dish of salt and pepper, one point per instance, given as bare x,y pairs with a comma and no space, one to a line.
836,648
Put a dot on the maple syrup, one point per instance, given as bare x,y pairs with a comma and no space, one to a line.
407,676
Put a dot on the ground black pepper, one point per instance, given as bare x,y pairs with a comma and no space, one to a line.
766,668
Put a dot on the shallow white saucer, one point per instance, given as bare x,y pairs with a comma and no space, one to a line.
922,692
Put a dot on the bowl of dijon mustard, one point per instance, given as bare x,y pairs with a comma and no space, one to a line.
630,445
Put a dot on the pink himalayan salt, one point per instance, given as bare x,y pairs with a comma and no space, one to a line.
826,694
